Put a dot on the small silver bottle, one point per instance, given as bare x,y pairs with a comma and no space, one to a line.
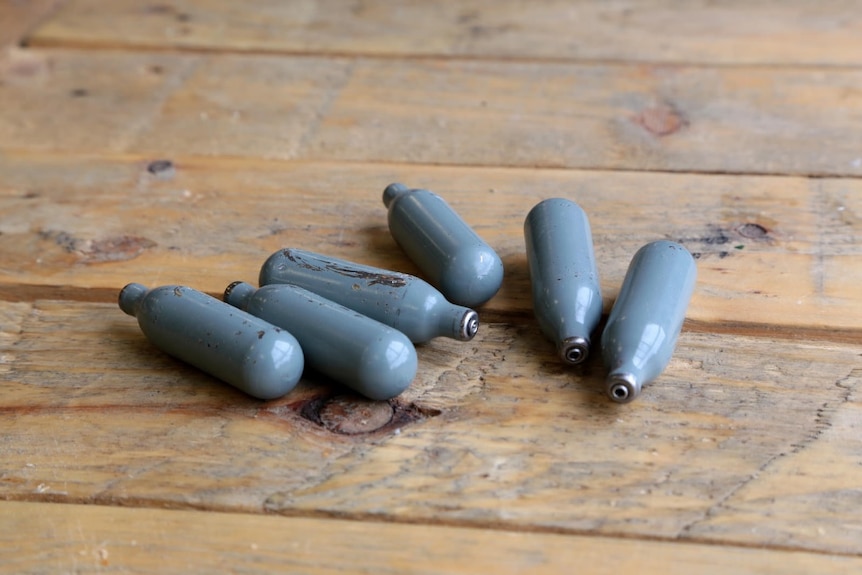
567,299
453,257
644,324
373,359
247,352
402,301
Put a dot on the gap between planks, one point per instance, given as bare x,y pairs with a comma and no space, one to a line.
133,47
232,162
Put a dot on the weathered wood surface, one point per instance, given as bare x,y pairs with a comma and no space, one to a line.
748,440
537,114
738,32
88,538
774,252
19,17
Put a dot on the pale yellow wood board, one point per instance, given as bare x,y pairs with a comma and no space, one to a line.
829,475
492,433
49,538
738,32
775,252
626,117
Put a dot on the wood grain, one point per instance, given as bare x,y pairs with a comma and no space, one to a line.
184,141
493,434
625,117
19,17
89,538
774,252
797,32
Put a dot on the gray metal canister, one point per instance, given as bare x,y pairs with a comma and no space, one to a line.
453,256
567,299
399,300
373,359
247,352
644,324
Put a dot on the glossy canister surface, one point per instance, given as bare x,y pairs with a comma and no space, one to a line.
402,301
567,298
453,256
247,352
373,359
644,324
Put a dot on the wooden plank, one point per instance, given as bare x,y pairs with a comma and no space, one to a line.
626,117
95,102
784,501
775,252
615,117
11,319
19,17
797,32
84,538
494,433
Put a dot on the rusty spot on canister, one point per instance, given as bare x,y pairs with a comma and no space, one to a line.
661,119
393,279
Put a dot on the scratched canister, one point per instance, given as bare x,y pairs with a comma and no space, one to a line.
402,301
645,321
238,348
567,299
373,359
451,255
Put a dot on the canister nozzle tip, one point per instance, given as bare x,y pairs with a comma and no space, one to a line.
622,388
130,298
469,325
392,191
238,293
574,350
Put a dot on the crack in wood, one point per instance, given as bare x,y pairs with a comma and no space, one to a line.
322,112
822,421
145,121
818,261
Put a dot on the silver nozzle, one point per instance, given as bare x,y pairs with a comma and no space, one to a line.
574,350
469,325
622,387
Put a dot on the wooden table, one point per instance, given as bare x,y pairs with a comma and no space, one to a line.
183,142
